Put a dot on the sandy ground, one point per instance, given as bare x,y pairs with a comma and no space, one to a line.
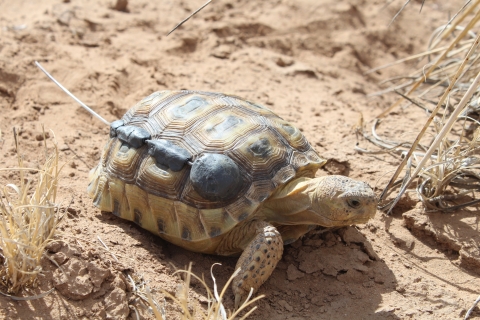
303,59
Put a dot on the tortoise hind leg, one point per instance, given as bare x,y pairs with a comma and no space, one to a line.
258,259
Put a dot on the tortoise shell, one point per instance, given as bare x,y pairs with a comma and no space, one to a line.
149,169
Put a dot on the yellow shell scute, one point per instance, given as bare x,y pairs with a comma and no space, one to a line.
189,222
119,202
164,218
98,189
138,209
216,221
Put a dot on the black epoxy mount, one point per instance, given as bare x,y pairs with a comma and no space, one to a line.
168,154
214,176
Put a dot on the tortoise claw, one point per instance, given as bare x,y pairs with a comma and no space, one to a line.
241,296
239,299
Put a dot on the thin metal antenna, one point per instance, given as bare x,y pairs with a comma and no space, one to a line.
71,95
185,20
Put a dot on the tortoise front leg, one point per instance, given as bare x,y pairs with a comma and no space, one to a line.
292,233
262,249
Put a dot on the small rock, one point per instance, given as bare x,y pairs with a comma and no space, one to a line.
360,256
336,167
351,276
400,289
33,168
202,299
121,5
42,136
64,17
351,234
410,312
317,300
358,88
285,305
385,309
284,61
181,292
330,271
297,244
116,305
311,264
97,274
367,247
118,282
60,258
64,147
73,280
330,239
72,211
293,273
301,70
361,268
98,310
470,257
222,52
54,246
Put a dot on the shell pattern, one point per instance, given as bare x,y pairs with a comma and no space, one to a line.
136,181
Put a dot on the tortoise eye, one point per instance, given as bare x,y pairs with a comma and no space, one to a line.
353,203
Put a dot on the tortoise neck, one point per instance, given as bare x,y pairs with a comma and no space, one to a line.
292,203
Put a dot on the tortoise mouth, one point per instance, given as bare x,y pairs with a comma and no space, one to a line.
348,222
327,221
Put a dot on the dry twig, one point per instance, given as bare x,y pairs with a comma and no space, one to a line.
446,171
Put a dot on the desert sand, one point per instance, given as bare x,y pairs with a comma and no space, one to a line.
305,60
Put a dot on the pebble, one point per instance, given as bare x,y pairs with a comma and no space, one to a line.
285,305
116,305
60,258
41,136
293,273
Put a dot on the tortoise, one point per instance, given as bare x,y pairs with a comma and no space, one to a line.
217,174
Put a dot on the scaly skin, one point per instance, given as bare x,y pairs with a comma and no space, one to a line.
259,258
330,201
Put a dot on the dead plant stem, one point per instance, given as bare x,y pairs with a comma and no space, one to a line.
429,120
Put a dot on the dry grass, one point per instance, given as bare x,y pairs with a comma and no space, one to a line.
215,309
28,220
446,170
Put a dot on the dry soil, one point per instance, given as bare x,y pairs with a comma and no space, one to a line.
303,59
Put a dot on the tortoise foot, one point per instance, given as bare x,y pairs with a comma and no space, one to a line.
257,261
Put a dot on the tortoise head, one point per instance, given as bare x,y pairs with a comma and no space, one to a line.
330,201
341,201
